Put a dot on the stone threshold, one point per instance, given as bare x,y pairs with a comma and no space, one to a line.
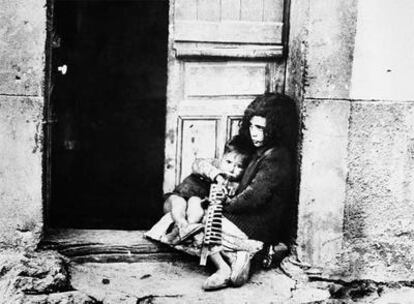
105,246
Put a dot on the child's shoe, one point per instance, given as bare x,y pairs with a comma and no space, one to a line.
172,237
189,230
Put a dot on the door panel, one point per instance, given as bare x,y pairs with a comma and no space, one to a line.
223,54
198,140
233,125
224,79
247,21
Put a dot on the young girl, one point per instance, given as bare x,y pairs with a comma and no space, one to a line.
264,202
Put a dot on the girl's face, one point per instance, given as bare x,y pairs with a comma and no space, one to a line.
257,127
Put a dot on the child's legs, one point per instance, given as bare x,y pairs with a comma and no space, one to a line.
178,206
195,212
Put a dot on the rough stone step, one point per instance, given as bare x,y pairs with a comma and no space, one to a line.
173,282
93,245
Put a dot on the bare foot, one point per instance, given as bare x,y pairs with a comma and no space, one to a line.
219,279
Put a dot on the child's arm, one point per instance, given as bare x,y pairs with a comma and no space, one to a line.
271,174
207,169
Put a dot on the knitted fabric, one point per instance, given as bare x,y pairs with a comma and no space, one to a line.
264,196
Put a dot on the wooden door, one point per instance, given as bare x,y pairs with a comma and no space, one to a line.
222,53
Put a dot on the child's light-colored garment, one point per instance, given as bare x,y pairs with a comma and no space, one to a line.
233,239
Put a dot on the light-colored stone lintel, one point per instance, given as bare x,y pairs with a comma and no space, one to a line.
250,52
335,99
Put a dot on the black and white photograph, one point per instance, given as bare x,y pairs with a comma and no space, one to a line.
206,151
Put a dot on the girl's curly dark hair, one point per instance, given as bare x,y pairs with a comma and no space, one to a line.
281,119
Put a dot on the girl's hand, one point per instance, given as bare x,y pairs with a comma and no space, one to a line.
220,179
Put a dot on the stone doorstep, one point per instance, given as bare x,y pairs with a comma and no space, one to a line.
42,278
117,264
122,267
88,242
175,281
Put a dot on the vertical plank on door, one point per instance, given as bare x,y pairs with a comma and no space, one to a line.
209,10
252,10
275,76
273,11
198,140
233,126
230,10
185,10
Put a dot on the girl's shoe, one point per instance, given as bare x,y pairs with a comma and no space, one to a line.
217,280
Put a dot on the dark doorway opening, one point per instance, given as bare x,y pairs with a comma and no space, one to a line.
107,139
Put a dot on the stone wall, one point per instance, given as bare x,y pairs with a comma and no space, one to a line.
321,45
356,191
22,64
378,221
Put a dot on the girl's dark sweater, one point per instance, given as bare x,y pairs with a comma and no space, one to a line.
264,198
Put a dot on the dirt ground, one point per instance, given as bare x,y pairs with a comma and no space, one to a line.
47,277
173,282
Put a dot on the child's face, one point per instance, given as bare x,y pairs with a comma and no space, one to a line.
233,164
257,127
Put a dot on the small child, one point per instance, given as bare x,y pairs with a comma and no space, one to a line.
185,202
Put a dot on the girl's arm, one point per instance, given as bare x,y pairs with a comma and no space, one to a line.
206,168
272,174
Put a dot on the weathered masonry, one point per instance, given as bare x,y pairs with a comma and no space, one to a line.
347,63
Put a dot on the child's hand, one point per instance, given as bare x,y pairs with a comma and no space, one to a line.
205,203
226,176
220,179
218,192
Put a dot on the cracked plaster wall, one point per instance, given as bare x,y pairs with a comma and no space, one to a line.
350,72
22,46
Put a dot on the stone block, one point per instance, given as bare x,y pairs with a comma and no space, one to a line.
20,171
378,221
32,273
331,32
321,47
383,57
22,46
296,61
323,180
68,297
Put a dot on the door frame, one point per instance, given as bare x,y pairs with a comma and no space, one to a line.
49,118
48,114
